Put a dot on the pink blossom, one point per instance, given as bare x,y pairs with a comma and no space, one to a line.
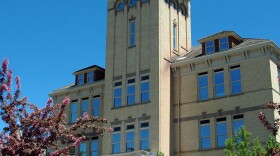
79,141
111,129
5,87
18,82
5,65
66,101
85,115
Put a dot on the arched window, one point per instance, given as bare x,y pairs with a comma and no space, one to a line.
174,5
132,3
182,11
166,1
120,6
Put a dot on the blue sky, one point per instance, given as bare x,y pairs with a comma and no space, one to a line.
46,41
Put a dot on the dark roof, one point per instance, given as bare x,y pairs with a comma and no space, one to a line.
196,51
90,67
219,34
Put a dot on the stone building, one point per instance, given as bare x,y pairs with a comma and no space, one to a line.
161,94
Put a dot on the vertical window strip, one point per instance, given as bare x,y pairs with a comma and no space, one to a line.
145,89
221,131
235,76
203,87
204,134
83,149
144,136
94,147
129,138
116,140
73,112
132,33
174,36
118,94
131,92
219,83
96,106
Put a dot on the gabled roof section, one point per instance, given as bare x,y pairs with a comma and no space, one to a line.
196,51
220,35
90,67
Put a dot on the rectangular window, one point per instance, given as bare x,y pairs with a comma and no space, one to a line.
116,140
203,86
145,89
221,130
130,91
84,106
235,78
73,111
238,122
83,149
174,36
210,47
129,138
204,134
132,33
80,79
224,44
219,83
118,94
144,136
94,147
90,77
96,106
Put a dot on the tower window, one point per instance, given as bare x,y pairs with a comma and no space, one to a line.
174,5
132,3
120,6
182,11
144,1
132,33
174,36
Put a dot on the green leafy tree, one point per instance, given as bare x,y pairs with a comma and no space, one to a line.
241,144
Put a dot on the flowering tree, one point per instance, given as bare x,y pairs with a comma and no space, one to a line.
30,130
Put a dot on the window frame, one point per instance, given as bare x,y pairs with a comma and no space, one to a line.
217,134
232,68
224,43
93,106
206,47
117,86
142,92
144,139
204,74
203,137
129,141
218,71
116,143
133,94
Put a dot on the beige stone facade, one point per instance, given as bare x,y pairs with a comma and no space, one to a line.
150,86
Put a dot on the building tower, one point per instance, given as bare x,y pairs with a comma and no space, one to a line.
143,36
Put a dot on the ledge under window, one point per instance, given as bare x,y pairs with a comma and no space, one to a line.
136,104
131,46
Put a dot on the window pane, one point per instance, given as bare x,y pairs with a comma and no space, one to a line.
83,149
94,153
96,106
205,131
236,87
131,99
131,89
90,77
203,81
224,46
118,102
74,107
129,146
84,106
205,143
117,92
210,44
144,144
145,97
94,145
73,117
235,75
145,86
116,138
203,93
237,124
144,134
116,148
81,79
219,90
221,141
224,40
221,128
219,78
130,136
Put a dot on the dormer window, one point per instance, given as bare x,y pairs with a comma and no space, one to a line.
224,44
90,77
210,47
80,79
